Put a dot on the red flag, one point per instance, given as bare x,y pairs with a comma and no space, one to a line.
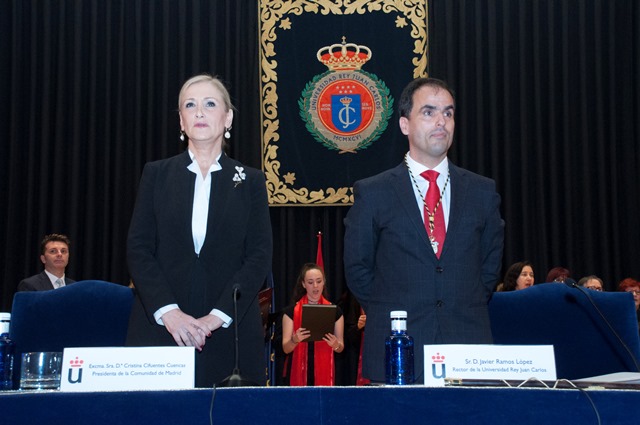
319,260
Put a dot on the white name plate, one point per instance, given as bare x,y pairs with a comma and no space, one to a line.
488,362
127,368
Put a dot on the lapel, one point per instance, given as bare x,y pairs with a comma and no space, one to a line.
184,196
459,184
403,188
45,281
220,198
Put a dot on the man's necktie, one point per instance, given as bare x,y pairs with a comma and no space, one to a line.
433,215
59,283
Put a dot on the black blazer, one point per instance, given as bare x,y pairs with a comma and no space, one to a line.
390,265
39,282
166,270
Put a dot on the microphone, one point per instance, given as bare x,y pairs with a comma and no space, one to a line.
572,284
235,379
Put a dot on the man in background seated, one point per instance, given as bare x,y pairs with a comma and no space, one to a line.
591,282
54,250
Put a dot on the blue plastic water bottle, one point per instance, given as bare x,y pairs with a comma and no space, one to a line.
7,350
399,352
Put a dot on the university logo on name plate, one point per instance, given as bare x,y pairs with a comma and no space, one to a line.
345,109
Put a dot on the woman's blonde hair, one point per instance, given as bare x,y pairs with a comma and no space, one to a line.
206,78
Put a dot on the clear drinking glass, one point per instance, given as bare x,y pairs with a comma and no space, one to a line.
40,370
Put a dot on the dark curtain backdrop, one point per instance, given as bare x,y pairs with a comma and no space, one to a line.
548,106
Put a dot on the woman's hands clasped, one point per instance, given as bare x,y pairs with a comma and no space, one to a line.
189,331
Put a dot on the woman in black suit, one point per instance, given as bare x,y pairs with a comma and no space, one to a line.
201,227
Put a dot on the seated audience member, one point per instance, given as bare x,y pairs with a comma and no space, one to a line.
518,276
631,285
558,274
592,282
311,363
54,254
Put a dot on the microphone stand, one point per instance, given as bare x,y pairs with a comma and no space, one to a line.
572,284
235,379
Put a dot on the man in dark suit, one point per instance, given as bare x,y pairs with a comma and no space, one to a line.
54,254
442,272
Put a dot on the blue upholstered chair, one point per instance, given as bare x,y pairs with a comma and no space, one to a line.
89,313
554,313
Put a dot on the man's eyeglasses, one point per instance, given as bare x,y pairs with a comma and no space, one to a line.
594,288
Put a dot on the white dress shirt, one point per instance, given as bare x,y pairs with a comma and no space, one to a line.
201,195
423,185
53,278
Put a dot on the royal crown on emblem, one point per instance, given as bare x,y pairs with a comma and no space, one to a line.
344,56
346,100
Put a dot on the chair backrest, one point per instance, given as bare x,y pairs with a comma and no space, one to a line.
554,313
89,313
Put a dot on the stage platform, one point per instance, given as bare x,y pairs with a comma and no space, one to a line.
325,405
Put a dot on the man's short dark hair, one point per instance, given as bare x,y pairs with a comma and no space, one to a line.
406,98
53,237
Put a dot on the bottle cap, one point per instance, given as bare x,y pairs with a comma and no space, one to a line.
398,314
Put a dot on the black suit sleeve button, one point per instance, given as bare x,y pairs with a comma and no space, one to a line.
440,303
439,269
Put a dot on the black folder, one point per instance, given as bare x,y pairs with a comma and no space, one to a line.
320,319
